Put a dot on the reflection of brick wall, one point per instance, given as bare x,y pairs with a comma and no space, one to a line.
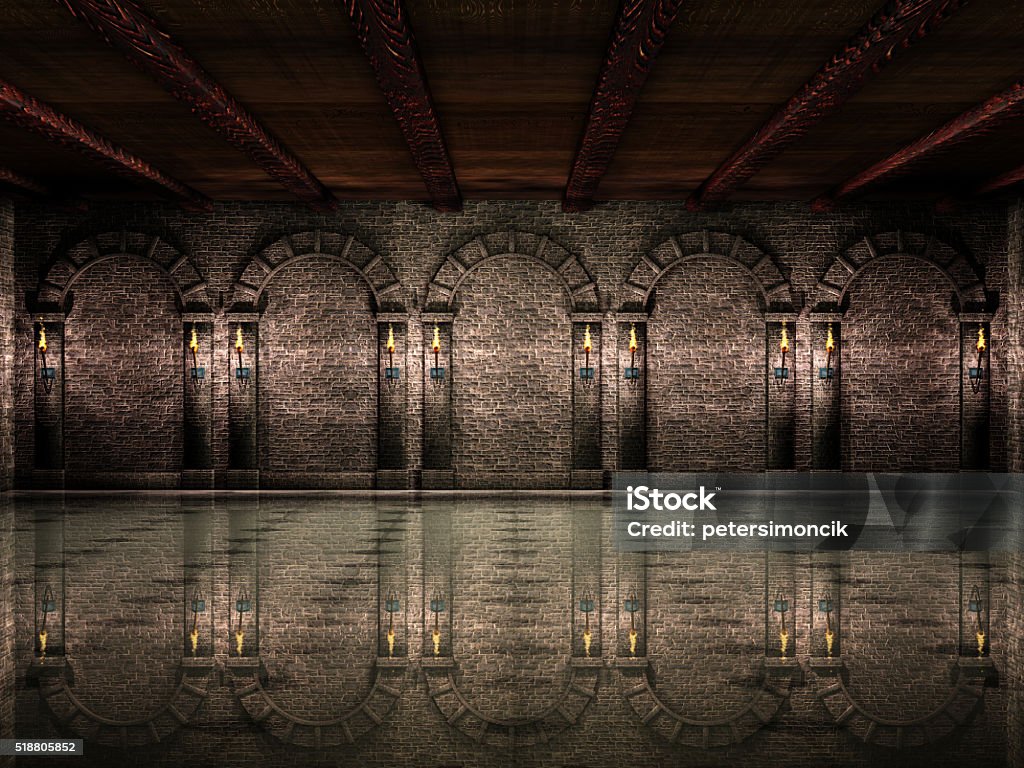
318,372
512,378
123,362
8,660
6,344
706,382
901,371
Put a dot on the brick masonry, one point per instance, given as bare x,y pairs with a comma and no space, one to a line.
7,312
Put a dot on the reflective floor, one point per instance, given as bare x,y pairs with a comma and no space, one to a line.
485,629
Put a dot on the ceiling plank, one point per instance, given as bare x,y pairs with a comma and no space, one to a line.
894,27
982,117
31,114
134,33
15,179
639,33
387,40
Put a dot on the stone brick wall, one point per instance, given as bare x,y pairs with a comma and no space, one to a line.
123,361
1015,338
7,311
608,242
7,624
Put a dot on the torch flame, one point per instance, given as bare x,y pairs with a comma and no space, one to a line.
829,639
193,343
436,637
784,640
239,641
784,341
830,343
391,643
586,642
239,344
42,643
980,637
391,339
435,344
981,339
632,642
194,639
42,337
588,345
632,339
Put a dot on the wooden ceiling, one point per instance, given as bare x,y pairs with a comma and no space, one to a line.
511,83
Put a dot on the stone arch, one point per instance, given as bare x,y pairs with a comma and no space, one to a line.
289,249
832,291
567,269
774,290
190,288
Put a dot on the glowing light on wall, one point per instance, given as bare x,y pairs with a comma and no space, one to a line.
632,605
827,373
198,605
587,608
632,373
587,372
243,605
781,607
241,370
197,373
48,606
437,372
47,374
437,607
975,606
977,373
391,607
826,606
781,371
391,373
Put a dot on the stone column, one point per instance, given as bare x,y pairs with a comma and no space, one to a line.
392,401
826,388
197,380
632,391
437,402
243,402
781,396
586,402
975,390
48,387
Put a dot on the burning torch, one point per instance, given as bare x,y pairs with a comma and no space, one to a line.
437,372
241,372
586,372
977,374
198,606
587,607
782,372
392,606
437,606
48,606
391,373
826,606
632,605
781,607
827,373
198,374
632,373
974,606
243,605
46,373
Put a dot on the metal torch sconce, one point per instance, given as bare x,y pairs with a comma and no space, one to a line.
437,372
975,606
587,372
47,606
243,605
392,373
826,606
782,371
631,605
437,607
632,373
47,374
976,374
197,373
587,608
827,374
781,607
392,605
241,370
197,606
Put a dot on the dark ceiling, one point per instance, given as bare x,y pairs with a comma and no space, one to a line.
511,82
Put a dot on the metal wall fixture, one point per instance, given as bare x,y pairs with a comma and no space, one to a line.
781,370
587,608
975,606
632,373
437,607
976,373
47,373
781,607
46,607
392,605
437,372
392,373
242,372
243,605
197,373
632,605
197,605
587,372
826,606
827,374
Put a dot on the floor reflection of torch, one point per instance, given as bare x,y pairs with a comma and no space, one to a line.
632,605
391,605
825,606
587,607
781,607
49,606
198,606
974,606
437,607
242,606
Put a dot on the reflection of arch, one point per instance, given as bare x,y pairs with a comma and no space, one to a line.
567,270
774,291
294,248
182,272
69,710
460,714
326,732
959,706
762,708
962,275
